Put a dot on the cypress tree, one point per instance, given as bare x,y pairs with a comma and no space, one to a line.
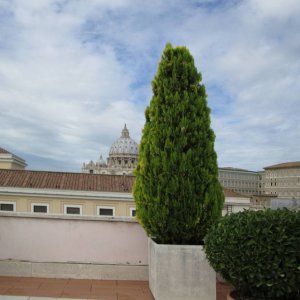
176,190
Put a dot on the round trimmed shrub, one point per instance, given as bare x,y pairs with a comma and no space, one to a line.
258,252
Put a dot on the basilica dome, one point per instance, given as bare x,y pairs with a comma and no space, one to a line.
122,159
124,145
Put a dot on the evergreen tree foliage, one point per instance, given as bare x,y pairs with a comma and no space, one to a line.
176,190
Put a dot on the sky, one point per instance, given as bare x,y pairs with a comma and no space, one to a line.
73,72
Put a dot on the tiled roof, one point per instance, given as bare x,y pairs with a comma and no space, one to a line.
231,193
3,151
65,181
295,164
235,169
73,181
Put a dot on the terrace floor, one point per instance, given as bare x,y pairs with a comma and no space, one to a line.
30,288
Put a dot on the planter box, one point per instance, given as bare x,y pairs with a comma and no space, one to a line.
180,272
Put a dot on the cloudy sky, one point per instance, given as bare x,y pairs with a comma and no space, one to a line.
73,72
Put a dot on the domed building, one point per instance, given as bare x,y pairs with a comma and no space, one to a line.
123,157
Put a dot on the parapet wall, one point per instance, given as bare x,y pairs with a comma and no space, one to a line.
36,244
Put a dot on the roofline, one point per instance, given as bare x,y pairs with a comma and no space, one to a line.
30,215
237,170
4,151
64,172
286,165
10,156
73,194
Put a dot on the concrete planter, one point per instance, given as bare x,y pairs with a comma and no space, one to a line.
178,272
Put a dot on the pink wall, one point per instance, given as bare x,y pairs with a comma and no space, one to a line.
65,240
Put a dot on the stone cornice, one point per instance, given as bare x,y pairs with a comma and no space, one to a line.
52,193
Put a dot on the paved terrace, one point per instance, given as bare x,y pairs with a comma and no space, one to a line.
30,288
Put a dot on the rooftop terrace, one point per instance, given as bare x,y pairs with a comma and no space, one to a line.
29,288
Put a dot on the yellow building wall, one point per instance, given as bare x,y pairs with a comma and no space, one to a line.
10,165
5,165
56,205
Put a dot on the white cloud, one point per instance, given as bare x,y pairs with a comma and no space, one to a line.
55,91
72,73
277,8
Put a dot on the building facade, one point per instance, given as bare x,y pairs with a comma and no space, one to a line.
241,181
62,193
235,202
283,180
123,157
11,161
279,180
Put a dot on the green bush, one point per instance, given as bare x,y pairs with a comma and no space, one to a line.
177,192
258,252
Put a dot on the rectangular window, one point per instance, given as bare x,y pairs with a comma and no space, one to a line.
106,211
7,206
132,212
73,209
39,208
